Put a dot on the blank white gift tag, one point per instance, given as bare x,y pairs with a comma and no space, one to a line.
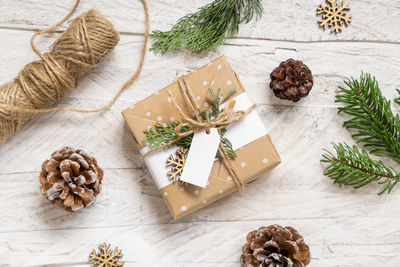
201,157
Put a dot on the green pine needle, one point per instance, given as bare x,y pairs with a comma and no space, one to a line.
397,100
207,28
377,128
219,99
228,147
351,167
163,134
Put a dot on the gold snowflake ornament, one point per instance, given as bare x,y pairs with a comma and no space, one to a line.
177,163
106,257
334,15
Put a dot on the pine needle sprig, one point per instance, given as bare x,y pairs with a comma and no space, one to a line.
207,28
378,129
228,147
355,168
397,100
162,134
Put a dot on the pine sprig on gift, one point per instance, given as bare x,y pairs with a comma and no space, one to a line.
162,134
376,127
207,28
228,147
218,98
215,109
355,168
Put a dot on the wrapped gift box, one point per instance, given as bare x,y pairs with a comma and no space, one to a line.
255,152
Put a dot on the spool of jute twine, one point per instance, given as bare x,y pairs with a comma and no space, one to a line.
42,83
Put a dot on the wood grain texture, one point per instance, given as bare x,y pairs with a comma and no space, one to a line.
293,20
343,226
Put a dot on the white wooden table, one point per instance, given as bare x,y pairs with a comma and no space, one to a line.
343,226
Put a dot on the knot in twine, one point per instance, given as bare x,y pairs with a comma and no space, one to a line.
226,117
44,82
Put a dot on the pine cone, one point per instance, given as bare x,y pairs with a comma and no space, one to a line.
71,179
292,80
275,246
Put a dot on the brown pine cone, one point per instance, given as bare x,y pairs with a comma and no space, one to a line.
275,246
71,179
292,80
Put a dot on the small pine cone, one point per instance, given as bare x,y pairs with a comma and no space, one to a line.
275,246
71,179
292,80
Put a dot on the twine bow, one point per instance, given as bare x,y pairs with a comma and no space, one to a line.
226,117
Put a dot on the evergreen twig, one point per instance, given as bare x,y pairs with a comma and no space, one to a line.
376,125
397,100
162,134
377,128
207,28
228,147
355,168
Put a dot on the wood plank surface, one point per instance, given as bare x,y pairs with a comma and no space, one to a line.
343,226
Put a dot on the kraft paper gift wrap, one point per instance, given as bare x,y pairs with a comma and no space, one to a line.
254,157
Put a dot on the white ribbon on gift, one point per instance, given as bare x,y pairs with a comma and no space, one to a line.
240,134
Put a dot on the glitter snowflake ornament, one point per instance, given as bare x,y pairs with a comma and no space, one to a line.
106,257
334,15
177,163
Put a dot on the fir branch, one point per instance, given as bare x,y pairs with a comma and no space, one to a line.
376,125
355,168
207,28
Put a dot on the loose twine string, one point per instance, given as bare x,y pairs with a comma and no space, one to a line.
227,117
42,83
